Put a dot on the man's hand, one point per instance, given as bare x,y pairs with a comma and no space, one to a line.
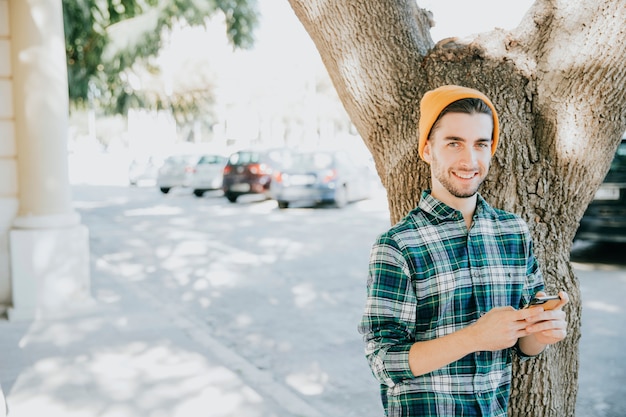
497,329
500,328
548,327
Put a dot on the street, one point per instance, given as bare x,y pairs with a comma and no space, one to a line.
282,288
275,295
601,269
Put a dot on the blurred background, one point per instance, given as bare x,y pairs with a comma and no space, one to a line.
217,98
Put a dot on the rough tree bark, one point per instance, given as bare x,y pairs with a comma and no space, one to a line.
558,83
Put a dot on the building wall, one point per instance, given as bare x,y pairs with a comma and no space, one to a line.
8,161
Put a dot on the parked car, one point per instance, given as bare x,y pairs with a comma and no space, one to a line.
208,174
321,177
144,170
605,217
250,172
176,171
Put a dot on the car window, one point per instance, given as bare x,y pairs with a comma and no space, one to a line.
179,159
310,161
244,158
211,159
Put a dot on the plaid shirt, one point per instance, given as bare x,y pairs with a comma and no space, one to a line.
429,277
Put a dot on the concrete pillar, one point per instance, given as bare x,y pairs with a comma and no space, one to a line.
8,157
49,247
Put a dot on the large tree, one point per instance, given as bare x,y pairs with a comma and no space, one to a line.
558,83
111,42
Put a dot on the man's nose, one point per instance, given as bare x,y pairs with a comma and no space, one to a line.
468,156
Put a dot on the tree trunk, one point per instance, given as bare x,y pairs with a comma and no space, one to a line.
557,82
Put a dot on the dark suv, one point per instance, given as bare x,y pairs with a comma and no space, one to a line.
605,218
250,172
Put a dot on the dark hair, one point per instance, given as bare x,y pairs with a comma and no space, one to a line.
464,105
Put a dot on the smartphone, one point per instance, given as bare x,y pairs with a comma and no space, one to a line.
548,302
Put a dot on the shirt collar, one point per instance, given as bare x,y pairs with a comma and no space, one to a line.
431,205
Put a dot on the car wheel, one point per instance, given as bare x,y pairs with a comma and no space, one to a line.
283,204
198,193
231,197
165,190
341,197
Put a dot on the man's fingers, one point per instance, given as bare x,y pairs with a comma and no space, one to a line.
546,325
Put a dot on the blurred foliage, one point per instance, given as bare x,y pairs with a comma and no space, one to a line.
108,42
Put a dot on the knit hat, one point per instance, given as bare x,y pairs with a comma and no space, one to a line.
433,103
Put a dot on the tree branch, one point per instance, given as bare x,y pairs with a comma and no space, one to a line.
364,46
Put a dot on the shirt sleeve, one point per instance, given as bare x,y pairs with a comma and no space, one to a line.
388,322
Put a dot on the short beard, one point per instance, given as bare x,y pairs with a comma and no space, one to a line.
455,191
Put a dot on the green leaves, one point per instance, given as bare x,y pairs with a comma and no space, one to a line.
110,43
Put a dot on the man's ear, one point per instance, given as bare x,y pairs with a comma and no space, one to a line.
426,153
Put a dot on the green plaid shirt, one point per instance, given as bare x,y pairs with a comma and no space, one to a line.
429,277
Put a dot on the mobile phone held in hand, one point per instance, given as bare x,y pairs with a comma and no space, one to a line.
548,302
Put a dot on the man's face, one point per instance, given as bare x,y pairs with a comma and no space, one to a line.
459,153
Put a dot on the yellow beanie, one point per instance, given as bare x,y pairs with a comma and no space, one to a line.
433,103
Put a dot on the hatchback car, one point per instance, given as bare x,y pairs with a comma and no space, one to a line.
250,172
321,177
176,171
208,174
605,217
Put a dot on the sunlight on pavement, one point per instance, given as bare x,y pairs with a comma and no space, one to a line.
282,248
310,381
61,334
133,379
304,294
154,211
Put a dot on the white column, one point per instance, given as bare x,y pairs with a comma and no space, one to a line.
49,246
8,157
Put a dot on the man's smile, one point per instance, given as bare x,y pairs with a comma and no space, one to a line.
466,175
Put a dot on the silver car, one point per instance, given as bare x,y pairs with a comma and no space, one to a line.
321,177
208,174
176,171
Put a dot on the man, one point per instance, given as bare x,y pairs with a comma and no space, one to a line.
448,283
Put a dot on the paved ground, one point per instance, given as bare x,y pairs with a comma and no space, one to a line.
601,269
134,358
129,353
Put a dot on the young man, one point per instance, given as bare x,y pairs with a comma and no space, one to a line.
448,283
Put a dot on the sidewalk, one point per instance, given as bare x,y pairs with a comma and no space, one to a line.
129,356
